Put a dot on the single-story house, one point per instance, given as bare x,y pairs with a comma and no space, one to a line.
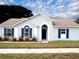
41,27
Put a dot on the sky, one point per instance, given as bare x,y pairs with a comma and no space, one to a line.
54,8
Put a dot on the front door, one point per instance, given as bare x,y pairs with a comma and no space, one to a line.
44,32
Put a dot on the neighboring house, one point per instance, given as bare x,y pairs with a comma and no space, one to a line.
42,27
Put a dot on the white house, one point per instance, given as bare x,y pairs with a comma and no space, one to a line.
42,27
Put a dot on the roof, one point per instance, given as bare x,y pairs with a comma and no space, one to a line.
14,21
10,22
65,23
56,22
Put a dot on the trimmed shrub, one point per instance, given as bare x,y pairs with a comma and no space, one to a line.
5,39
26,39
34,39
14,39
0,38
21,39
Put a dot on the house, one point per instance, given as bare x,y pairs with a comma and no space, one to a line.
41,27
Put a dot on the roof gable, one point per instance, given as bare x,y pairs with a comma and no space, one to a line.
14,21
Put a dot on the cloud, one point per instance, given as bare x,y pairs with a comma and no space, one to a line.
74,5
60,8
49,2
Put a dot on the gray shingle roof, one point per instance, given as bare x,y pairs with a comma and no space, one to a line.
65,23
56,22
10,22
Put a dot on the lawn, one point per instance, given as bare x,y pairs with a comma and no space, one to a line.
39,56
52,44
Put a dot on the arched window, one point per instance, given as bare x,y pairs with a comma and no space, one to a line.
26,31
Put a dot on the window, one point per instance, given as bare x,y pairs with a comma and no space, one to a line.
27,32
63,33
8,32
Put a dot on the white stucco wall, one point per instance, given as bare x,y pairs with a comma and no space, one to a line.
1,31
36,24
73,34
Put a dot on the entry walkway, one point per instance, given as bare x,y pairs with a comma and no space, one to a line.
40,50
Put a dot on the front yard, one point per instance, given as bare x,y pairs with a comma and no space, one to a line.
52,44
39,56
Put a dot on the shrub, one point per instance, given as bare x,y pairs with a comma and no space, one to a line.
0,38
21,39
26,39
34,39
14,39
5,39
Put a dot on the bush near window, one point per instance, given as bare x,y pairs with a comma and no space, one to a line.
0,38
5,39
21,39
34,39
14,39
26,39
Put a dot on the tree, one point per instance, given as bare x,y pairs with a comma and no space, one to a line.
13,11
77,21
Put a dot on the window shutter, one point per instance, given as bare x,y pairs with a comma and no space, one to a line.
4,31
30,32
12,32
22,32
67,35
59,34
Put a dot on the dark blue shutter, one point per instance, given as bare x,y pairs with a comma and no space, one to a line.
30,32
4,31
59,34
67,35
12,32
22,32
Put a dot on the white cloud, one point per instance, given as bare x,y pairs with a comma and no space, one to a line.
2,3
74,4
74,13
49,2
60,8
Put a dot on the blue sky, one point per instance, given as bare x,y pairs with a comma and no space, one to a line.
54,8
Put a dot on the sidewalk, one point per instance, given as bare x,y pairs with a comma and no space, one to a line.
41,50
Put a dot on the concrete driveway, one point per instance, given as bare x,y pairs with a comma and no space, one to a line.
40,50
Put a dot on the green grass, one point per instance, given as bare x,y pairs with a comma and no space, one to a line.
53,44
39,56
